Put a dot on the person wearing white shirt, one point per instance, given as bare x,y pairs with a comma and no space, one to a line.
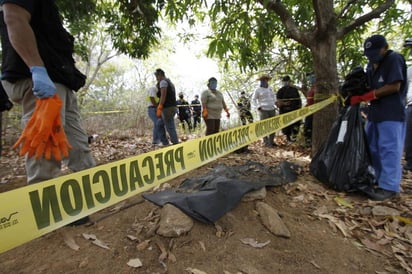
264,101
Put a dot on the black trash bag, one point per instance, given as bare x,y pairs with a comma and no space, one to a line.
355,83
343,162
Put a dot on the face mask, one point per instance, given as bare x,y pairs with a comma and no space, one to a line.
263,83
375,58
213,85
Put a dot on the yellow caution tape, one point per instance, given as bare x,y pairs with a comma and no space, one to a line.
34,210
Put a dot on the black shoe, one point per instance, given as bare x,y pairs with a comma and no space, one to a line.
81,221
380,194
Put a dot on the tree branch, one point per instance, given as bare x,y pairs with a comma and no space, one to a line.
292,30
365,18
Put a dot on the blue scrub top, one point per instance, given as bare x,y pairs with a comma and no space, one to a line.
390,70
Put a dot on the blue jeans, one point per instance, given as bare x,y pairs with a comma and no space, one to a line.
168,122
408,136
151,111
386,141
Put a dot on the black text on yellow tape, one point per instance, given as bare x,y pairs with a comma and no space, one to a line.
34,210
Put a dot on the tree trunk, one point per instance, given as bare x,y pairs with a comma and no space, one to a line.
324,57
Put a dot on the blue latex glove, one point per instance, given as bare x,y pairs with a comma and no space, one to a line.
43,87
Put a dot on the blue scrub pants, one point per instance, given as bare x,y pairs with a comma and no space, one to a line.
386,140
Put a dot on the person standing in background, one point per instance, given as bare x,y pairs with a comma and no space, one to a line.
408,136
185,115
197,111
244,108
212,104
152,102
385,127
166,108
288,99
264,100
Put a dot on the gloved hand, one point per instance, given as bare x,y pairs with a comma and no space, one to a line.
227,113
204,113
43,87
369,96
36,136
159,110
48,113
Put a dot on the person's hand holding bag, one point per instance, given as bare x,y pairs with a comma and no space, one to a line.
43,87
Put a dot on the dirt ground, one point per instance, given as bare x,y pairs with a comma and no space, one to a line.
330,232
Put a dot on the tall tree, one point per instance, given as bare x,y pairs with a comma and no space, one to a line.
246,32
322,34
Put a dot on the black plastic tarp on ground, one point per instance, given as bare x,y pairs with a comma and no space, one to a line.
208,198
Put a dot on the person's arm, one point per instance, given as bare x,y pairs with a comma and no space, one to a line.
163,92
23,40
377,93
388,89
21,34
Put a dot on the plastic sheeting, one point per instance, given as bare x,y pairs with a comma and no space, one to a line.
208,198
343,162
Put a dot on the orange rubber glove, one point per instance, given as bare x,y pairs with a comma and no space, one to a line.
48,114
369,96
159,110
204,113
36,135
30,130
60,145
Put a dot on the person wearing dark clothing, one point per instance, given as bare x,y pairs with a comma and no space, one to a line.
166,109
288,99
385,128
185,116
38,66
196,111
244,105
37,63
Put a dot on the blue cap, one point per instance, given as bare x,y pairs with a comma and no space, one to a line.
374,44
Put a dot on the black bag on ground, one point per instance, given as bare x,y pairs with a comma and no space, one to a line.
343,162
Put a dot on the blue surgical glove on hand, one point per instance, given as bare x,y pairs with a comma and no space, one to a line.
43,87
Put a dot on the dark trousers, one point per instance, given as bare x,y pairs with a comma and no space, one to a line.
212,126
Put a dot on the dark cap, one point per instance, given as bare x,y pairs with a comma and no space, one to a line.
212,79
159,72
286,78
374,44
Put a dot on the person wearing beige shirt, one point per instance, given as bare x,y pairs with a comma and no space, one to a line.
212,104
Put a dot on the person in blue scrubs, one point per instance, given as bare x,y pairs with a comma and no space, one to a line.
385,129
